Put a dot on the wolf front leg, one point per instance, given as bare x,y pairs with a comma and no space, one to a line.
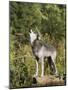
36,68
42,64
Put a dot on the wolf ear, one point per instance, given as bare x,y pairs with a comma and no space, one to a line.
38,36
30,31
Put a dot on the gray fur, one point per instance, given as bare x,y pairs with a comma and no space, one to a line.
42,51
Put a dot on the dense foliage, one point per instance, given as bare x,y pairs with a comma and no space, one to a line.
49,20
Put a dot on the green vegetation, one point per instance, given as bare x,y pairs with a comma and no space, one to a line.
49,20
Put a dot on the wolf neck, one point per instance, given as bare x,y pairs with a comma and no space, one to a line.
36,44
32,41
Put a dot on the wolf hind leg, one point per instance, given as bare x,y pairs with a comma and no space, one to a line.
52,66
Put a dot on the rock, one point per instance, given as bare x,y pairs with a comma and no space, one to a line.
49,80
